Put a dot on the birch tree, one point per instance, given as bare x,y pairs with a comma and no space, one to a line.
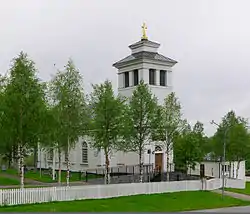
169,125
189,147
108,116
69,99
142,114
233,130
24,102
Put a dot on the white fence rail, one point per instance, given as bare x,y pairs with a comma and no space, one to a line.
40,195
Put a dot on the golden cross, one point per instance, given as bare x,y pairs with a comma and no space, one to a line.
144,28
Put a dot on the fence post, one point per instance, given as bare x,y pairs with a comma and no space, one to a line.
1,198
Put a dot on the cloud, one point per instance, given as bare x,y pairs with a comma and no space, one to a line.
209,39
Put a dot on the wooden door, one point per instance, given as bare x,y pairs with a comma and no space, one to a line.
158,162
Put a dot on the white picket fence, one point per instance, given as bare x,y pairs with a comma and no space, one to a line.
41,195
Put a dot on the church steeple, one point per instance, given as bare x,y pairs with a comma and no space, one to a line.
145,63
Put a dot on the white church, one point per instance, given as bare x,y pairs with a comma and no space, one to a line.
144,63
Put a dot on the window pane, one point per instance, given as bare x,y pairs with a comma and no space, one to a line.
136,77
50,154
163,78
126,77
151,76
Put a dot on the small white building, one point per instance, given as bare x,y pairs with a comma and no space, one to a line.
144,63
215,169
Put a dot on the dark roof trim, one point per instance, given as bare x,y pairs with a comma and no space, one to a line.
144,55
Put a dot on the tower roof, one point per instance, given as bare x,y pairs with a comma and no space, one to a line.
144,55
144,49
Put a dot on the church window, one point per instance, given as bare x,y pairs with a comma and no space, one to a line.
151,76
50,154
163,78
126,79
84,152
136,77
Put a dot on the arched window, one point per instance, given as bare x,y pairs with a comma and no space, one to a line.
158,149
84,152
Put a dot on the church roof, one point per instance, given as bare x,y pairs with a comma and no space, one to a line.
144,55
144,42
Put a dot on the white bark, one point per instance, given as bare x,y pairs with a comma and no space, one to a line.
141,167
54,164
237,170
59,166
22,167
18,160
67,178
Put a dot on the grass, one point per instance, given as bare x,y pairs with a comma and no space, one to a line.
168,202
245,191
8,181
45,178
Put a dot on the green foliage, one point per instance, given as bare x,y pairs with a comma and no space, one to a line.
233,130
108,121
189,146
142,113
68,107
107,118
22,105
168,124
67,111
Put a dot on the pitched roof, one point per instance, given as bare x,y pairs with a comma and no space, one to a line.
145,55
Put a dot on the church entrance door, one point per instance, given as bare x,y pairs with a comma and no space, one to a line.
158,162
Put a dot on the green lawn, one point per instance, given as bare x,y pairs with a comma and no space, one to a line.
169,202
243,191
8,181
35,175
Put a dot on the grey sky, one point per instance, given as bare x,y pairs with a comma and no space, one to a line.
210,40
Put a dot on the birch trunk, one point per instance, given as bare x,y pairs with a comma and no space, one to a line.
168,162
230,164
233,170
19,160
59,166
22,167
237,170
140,167
35,165
68,176
107,173
54,165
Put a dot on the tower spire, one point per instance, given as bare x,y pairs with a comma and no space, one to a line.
144,28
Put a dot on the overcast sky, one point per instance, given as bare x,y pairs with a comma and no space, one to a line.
210,39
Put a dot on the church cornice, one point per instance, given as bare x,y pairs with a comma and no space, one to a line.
143,56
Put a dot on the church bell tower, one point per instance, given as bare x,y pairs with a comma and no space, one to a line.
145,63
